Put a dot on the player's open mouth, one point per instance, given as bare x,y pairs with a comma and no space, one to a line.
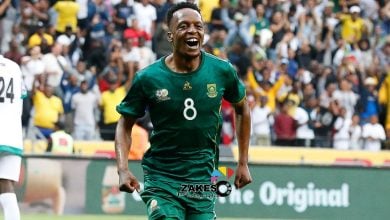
192,42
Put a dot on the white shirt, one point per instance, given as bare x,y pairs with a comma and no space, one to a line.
355,137
342,126
83,11
30,69
369,8
375,131
145,16
53,68
12,90
133,55
84,106
302,118
346,99
147,57
341,138
260,122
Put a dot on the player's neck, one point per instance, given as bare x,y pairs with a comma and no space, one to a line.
182,64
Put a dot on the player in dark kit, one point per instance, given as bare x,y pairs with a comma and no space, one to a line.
183,93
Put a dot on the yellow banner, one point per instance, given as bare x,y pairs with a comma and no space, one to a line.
316,156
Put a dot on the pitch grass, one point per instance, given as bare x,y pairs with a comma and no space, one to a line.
98,217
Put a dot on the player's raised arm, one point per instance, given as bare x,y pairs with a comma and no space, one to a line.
243,121
127,181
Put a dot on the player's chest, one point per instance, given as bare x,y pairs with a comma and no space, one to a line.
203,94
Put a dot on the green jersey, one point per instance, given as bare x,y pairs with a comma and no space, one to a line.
185,110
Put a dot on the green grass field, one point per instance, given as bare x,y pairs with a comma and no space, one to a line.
96,217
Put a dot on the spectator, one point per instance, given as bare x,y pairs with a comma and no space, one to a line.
109,99
69,87
373,134
41,38
97,28
34,14
304,133
55,66
131,57
266,88
17,35
238,28
309,27
322,79
32,66
100,9
60,142
84,105
216,21
368,103
48,108
261,121
122,12
70,45
82,15
67,11
355,134
326,97
288,42
363,52
146,55
279,26
13,53
285,127
146,15
135,33
305,54
342,126
261,21
370,9
382,55
114,66
382,28
353,27
96,55
206,9
323,122
346,97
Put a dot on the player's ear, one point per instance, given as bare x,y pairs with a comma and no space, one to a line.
169,36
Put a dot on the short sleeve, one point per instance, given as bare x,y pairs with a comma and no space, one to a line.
134,103
235,88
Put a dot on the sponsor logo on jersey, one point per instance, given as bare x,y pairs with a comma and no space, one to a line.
162,95
153,205
212,90
187,86
218,186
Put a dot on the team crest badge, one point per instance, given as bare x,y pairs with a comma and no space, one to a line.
212,90
187,86
162,95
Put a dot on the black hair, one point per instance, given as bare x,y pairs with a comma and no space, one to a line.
177,7
60,125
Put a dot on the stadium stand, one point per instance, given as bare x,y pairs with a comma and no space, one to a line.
326,61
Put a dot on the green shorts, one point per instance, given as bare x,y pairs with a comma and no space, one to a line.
163,201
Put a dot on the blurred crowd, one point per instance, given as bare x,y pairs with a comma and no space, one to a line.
317,71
